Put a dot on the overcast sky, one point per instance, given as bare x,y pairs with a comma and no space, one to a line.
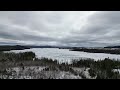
64,28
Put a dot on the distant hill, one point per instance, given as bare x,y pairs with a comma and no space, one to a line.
60,47
42,46
16,47
112,47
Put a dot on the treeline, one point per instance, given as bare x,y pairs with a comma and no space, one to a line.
109,51
16,56
112,47
11,59
16,47
102,69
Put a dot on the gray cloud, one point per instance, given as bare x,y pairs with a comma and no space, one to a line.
101,29
74,28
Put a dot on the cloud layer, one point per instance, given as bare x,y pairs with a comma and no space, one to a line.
64,28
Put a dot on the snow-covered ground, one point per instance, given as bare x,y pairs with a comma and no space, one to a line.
39,72
84,71
64,55
116,70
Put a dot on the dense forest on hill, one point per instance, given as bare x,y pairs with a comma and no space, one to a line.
16,47
112,47
103,50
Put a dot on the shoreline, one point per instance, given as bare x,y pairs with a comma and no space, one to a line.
103,50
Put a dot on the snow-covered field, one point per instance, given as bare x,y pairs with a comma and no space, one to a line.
64,55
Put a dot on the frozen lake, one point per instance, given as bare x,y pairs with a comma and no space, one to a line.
64,55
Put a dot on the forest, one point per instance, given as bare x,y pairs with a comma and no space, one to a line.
102,50
16,47
102,69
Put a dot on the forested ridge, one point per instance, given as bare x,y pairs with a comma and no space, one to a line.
102,50
16,47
